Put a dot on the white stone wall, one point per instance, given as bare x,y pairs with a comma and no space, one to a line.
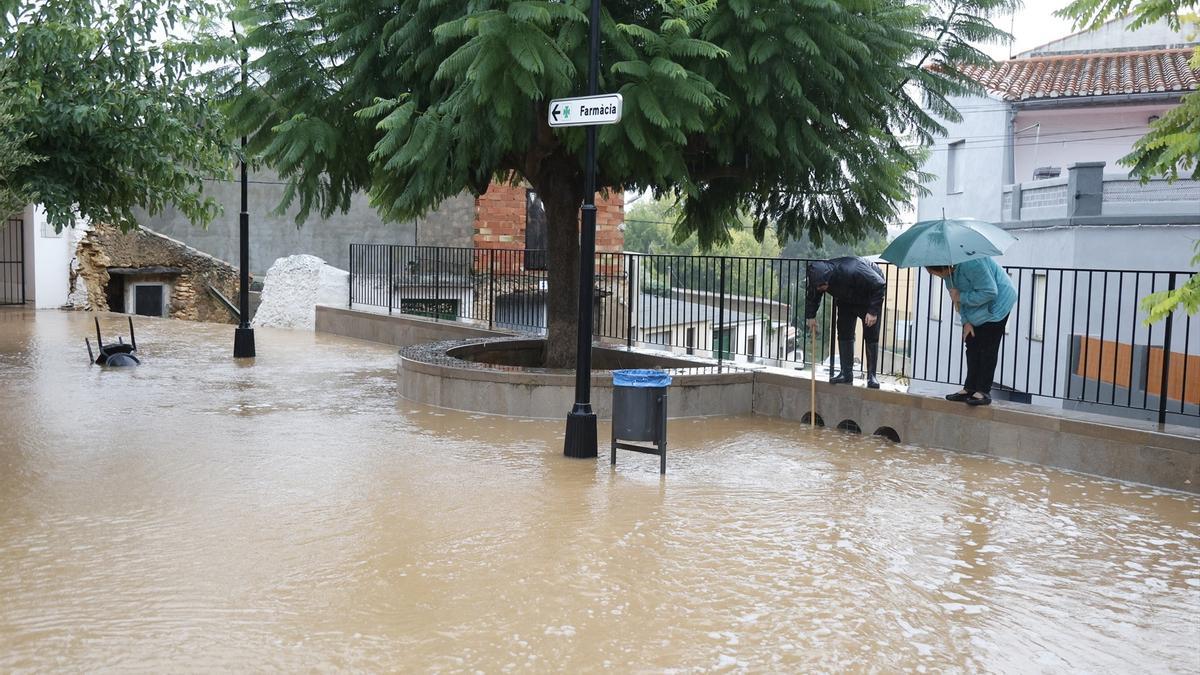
48,257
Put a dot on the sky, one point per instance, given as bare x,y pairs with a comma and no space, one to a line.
1034,25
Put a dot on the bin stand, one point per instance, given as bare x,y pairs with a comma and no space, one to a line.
660,449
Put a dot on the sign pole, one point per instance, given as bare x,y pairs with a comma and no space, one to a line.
581,421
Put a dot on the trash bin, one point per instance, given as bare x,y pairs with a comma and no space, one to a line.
639,412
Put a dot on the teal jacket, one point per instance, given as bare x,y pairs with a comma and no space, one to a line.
985,294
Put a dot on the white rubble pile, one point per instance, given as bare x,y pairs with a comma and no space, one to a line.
294,286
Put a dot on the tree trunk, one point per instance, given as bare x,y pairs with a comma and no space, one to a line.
561,194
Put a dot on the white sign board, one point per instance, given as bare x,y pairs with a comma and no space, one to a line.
584,111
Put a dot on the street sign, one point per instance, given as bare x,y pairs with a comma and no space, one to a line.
583,111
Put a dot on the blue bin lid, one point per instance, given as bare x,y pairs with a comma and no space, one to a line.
642,378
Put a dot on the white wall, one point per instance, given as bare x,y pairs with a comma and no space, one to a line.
132,283
1114,35
1141,247
769,347
678,336
982,156
48,257
1067,136
1061,137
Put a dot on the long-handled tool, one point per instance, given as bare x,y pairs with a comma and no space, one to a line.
812,395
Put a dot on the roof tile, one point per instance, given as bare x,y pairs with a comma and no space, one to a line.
1090,74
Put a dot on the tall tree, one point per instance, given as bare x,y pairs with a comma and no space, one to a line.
653,226
785,110
111,106
14,156
1172,145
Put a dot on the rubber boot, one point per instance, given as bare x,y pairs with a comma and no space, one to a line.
846,354
872,361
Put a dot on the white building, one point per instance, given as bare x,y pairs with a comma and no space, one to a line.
1038,154
35,260
746,330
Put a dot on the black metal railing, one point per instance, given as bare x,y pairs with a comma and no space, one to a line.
12,262
1075,335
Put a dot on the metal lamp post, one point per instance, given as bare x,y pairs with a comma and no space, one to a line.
243,336
581,421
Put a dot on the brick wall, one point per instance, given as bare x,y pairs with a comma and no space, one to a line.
500,217
610,213
500,224
500,220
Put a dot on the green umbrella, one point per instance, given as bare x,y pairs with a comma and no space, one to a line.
946,242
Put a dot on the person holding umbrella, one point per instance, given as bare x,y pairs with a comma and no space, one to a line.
858,288
984,296
960,252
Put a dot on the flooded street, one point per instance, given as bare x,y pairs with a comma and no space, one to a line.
295,514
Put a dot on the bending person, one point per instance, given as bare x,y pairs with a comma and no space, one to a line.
858,287
984,296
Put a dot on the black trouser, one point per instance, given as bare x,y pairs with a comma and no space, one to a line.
848,316
983,350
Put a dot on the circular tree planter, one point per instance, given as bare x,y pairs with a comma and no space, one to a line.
497,377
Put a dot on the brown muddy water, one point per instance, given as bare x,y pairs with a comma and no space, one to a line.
198,514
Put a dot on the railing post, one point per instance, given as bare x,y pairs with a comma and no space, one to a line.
1166,359
391,254
437,283
630,280
721,314
491,287
351,300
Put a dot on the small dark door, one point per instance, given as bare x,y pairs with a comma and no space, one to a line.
723,342
148,300
114,292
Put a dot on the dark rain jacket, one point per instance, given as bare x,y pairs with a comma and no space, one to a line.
852,281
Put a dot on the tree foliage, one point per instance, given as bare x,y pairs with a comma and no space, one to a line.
14,156
652,226
1173,143
788,111
783,109
111,106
